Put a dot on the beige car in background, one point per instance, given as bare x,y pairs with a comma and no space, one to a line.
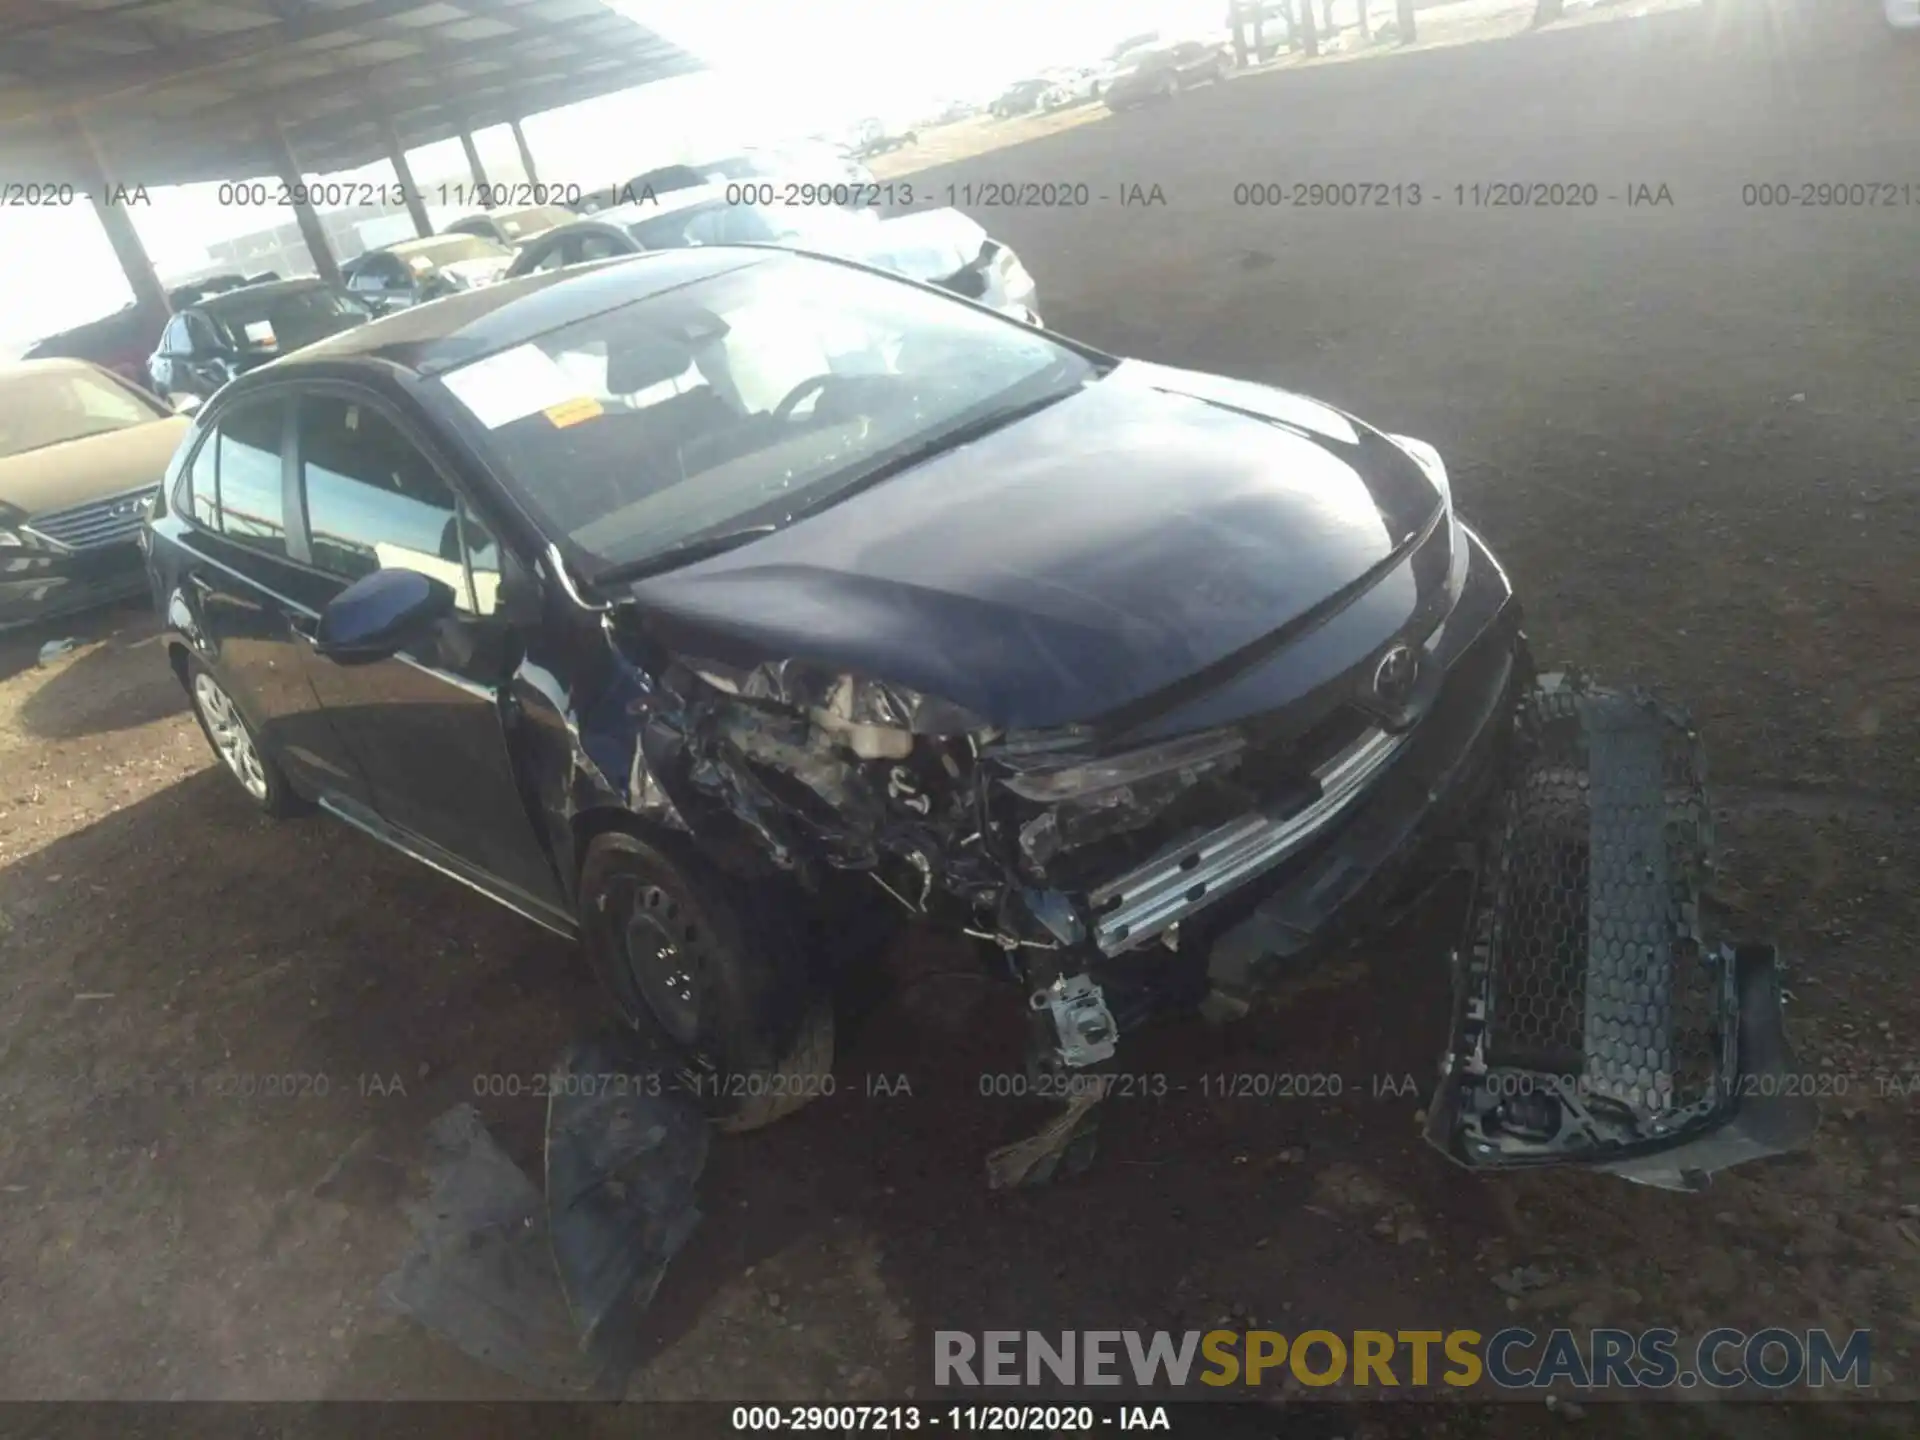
81,454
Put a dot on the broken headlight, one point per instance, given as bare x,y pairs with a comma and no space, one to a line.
874,719
1091,799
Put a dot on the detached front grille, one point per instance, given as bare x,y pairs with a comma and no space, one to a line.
107,521
1596,967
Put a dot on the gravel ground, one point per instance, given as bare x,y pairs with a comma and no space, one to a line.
1691,429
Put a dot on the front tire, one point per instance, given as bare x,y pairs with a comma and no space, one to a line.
716,973
237,746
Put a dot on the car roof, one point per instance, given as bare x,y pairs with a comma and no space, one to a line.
265,290
431,338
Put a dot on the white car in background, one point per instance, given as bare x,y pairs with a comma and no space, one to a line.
1073,87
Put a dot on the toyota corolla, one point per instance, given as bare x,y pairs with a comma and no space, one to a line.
662,601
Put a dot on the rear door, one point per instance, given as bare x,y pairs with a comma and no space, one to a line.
241,580
427,727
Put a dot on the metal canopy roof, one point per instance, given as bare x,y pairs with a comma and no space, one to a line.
181,90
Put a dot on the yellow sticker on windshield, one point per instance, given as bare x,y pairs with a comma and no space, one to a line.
572,412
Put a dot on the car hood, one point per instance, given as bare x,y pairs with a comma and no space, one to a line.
1075,562
76,471
929,245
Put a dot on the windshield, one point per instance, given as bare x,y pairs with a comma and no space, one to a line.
449,250
744,399
285,320
39,408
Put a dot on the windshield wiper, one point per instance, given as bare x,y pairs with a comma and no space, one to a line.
685,553
946,440
706,546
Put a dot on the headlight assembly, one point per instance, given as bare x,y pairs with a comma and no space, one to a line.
13,531
1086,801
1187,758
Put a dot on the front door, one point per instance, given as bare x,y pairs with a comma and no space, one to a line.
427,727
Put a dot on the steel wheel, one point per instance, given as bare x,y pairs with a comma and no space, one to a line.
717,970
231,738
663,950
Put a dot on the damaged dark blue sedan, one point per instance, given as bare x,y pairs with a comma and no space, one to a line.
664,601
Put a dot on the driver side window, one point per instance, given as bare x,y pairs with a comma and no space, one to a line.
375,501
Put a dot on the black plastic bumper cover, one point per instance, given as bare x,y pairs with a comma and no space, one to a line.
1595,1022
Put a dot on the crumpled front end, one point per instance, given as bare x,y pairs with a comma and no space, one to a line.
1102,859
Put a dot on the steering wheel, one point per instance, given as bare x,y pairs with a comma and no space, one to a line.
790,401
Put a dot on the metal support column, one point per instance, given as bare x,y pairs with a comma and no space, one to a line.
402,172
526,154
148,293
484,190
312,232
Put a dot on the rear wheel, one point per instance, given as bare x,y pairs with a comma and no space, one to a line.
715,971
238,748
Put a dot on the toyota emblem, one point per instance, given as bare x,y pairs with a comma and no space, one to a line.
1393,677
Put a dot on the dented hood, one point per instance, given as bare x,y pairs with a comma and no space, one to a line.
1075,561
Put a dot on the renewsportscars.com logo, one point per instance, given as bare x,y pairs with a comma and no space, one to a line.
1515,1358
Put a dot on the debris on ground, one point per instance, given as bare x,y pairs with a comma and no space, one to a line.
549,1288
1061,1148
622,1167
1521,1279
55,650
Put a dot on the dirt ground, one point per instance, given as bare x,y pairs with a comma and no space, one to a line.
1691,430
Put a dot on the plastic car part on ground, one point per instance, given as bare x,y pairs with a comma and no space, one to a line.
1596,1022
549,1289
1061,1148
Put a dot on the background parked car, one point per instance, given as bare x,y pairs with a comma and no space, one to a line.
648,184
1074,87
941,247
877,137
1022,98
1162,74
81,453
513,226
411,271
207,344
806,163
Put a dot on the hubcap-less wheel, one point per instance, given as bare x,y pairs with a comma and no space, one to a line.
663,952
230,735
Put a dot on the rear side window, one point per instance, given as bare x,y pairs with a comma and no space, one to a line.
202,497
248,478
374,499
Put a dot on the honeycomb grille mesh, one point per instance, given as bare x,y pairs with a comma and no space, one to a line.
1596,968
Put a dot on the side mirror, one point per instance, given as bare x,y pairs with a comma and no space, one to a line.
379,615
185,404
